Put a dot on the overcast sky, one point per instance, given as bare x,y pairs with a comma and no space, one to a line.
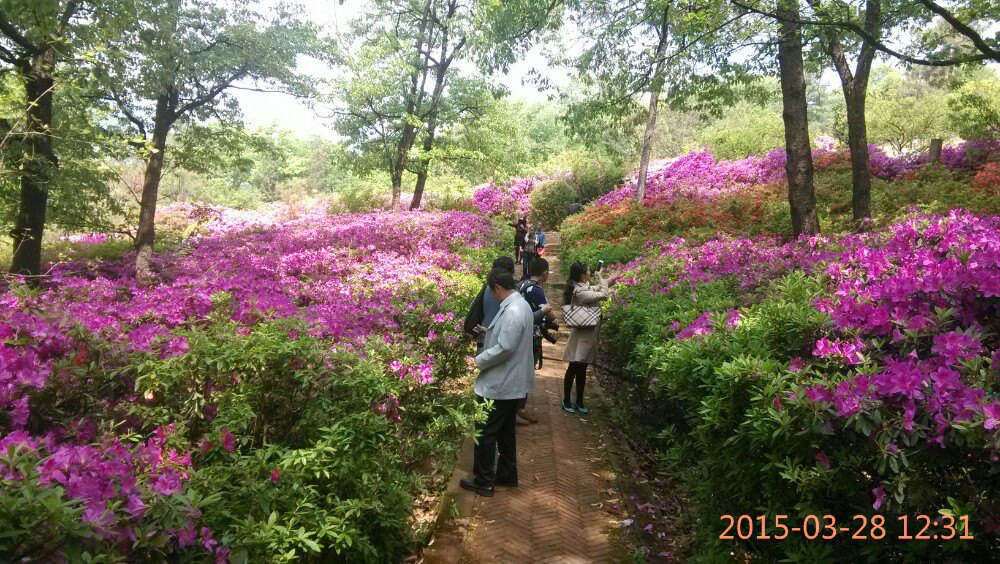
262,109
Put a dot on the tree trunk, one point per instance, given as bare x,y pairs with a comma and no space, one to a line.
857,141
656,87
432,114
408,135
855,88
399,162
647,142
799,168
418,191
150,187
934,153
37,161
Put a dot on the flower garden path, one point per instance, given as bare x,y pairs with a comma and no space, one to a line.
560,511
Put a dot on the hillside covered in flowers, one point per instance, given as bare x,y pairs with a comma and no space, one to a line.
243,407
841,374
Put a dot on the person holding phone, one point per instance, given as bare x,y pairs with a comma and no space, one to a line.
506,374
582,344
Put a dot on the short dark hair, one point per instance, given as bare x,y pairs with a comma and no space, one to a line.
504,263
500,277
538,267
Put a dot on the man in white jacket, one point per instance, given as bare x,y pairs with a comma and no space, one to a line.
506,374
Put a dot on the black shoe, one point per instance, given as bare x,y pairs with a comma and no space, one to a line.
503,484
474,486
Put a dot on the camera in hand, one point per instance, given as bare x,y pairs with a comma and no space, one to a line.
546,327
600,265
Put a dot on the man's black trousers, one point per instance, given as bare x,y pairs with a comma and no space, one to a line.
497,434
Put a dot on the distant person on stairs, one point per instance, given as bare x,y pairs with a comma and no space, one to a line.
506,374
582,344
540,242
528,253
520,232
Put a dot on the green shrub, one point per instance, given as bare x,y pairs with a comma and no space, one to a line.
550,203
319,468
610,253
935,189
596,178
733,422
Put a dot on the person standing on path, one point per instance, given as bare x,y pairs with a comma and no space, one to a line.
540,241
582,344
542,312
506,374
520,231
529,253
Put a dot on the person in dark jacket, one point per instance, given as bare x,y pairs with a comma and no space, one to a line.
542,313
520,231
484,308
529,253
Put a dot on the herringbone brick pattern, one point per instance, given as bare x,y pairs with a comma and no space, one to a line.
556,514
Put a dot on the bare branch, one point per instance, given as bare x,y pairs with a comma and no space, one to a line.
66,16
8,56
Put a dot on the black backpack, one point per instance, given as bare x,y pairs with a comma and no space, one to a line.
525,286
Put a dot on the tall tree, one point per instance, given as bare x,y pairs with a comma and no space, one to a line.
799,166
176,64
854,84
451,41
384,95
34,36
400,88
631,47
396,50
656,88
839,25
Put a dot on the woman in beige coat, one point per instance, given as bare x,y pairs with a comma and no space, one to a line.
582,344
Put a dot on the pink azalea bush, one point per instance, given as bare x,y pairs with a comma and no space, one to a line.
698,175
509,199
89,238
838,375
174,419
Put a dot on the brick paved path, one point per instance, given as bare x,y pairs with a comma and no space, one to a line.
559,511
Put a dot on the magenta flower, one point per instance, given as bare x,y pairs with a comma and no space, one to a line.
167,483
992,412
879,493
228,440
823,460
426,374
954,346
